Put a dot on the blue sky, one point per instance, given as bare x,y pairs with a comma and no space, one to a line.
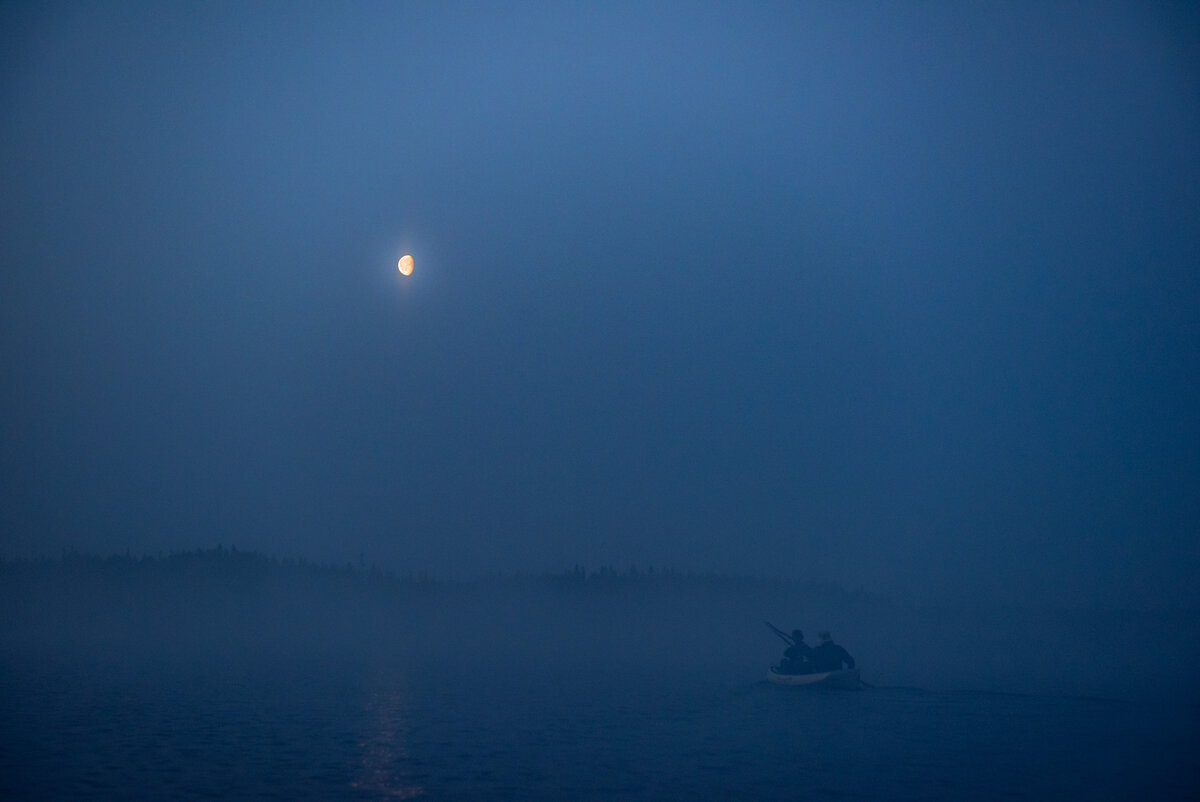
902,296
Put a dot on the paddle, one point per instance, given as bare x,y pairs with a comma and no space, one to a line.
786,637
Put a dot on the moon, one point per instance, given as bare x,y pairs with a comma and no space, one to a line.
405,265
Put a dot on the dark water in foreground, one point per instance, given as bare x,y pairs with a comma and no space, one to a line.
330,729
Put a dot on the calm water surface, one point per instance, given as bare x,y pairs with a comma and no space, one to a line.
340,729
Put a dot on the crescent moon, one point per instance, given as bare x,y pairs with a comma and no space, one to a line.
405,265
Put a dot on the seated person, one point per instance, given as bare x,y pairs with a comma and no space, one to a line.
829,656
797,658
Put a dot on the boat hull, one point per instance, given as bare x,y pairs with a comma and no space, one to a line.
846,679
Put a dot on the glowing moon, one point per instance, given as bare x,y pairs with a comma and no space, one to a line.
406,265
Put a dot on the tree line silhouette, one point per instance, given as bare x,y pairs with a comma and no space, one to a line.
234,570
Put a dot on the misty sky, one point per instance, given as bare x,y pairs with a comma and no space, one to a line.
900,295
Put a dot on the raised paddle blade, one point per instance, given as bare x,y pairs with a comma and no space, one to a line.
786,637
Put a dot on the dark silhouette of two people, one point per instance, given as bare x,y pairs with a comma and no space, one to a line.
800,658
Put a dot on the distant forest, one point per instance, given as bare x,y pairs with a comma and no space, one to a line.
233,569
225,600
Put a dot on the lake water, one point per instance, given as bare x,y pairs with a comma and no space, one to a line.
335,728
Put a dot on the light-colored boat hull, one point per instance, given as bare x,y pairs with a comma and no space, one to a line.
847,679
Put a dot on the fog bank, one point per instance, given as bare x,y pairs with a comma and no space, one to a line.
229,605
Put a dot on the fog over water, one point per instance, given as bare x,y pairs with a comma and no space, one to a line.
226,673
881,318
195,605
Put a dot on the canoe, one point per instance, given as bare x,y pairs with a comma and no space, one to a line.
847,678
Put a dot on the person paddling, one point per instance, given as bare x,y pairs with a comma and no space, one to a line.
797,659
829,656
